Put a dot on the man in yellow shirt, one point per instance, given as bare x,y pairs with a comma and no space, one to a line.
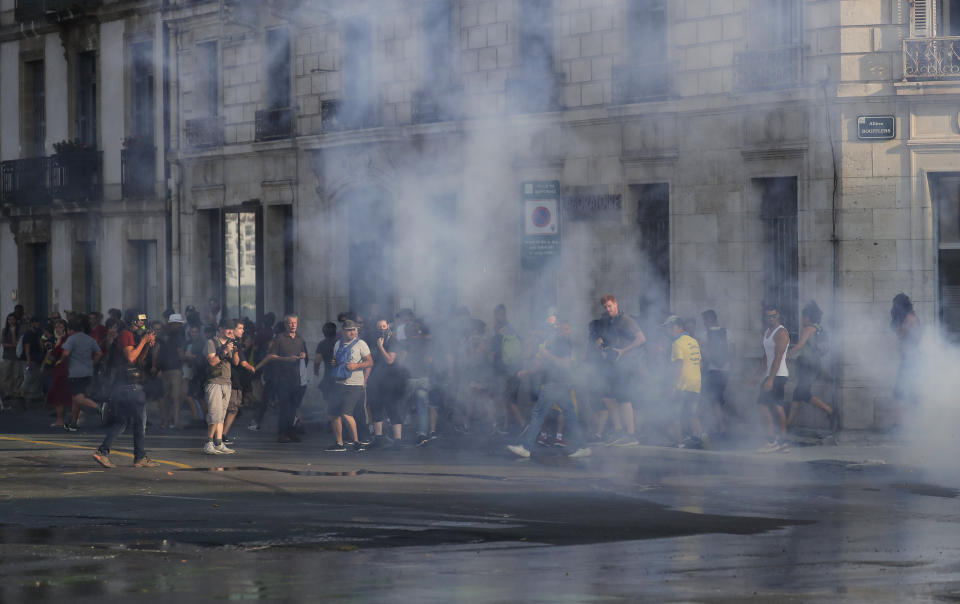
685,359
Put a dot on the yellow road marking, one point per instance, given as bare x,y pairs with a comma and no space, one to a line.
85,472
68,446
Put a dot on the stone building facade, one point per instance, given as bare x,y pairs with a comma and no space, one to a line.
688,154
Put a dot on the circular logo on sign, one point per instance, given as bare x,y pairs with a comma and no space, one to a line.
540,217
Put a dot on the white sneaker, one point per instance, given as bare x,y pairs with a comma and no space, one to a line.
770,447
223,449
253,425
519,450
581,452
209,449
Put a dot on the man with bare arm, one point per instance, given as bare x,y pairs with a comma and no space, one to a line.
773,368
619,339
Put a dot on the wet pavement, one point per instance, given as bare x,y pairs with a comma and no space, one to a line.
290,523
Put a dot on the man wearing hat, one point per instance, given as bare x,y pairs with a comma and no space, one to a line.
168,361
351,356
686,382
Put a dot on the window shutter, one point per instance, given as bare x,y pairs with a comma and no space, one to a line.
923,19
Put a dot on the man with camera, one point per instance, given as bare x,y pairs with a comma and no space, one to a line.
128,400
221,354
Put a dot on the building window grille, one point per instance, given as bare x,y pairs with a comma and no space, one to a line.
142,91
645,76
945,193
535,86
653,224
781,263
34,129
773,59
933,50
86,99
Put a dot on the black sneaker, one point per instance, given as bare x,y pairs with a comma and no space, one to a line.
366,441
433,436
227,440
422,440
336,448
70,427
359,447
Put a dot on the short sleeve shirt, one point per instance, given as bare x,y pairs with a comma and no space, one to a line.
82,350
357,353
220,374
687,350
285,346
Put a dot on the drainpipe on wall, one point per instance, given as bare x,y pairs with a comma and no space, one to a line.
836,357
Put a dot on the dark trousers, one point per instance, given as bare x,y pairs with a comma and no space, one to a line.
714,385
129,409
289,396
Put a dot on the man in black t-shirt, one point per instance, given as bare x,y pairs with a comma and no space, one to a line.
33,355
286,352
619,339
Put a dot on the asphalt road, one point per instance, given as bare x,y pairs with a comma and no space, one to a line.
468,523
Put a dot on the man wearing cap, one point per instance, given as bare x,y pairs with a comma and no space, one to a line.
685,392
351,356
168,361
221,354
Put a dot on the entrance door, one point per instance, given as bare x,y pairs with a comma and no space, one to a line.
945,192
371,250
242,263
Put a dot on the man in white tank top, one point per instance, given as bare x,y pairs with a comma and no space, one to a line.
773,368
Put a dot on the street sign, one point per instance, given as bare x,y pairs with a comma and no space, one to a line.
876,127
541,222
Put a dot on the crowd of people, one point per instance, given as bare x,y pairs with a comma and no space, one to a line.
453,376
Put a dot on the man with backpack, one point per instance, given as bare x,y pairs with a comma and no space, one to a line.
808,351
716,355
506,348
351,356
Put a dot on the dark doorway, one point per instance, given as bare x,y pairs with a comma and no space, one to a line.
653,224
371,236
40,278
781,259
945,194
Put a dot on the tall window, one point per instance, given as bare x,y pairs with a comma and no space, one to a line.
645,74
934,18
358,90
781,264
207,79
145,280
945,193
36,279
86,100
85,290
774,23
438,42
653,223
240,263
278,68
536,36
34,128
142,90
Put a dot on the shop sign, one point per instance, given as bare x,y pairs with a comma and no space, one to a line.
593,207
876,127
541,222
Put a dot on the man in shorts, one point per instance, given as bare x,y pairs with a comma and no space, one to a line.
354,356
773,368
619,339
685,358
81,352
221,354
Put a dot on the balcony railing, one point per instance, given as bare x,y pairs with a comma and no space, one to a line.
337,116
75,176
638,84
54,10
931,59
534,94
138,172
769,69
272,124
437,104
204,132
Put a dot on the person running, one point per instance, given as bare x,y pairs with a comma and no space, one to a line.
555,361
620,338
773,368
81,352
808,350
351,356
685,358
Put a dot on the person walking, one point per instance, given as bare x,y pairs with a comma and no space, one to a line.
773,368
808,351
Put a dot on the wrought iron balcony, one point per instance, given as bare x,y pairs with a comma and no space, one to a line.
437,105
204,132
138,171
52,10
769,69
534,94
931,59
75,176
337,116
638,84
26,181
272,124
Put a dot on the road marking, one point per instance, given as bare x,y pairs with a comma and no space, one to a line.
68,446
84,472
